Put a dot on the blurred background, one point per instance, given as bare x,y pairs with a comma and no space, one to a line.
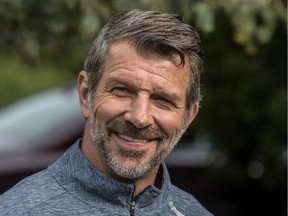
233,158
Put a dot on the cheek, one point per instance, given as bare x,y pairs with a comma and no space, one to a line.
171,123
106,109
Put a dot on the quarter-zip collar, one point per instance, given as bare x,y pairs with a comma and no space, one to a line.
80,178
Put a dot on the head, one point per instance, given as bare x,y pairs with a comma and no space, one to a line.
150,32
140,91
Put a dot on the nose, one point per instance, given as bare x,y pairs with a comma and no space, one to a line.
139,113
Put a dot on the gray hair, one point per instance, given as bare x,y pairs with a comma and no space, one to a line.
149,32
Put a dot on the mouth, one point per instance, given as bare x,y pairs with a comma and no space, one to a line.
130,139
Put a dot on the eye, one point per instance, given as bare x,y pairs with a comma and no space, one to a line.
163,102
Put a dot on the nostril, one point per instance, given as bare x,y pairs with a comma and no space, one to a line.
139,120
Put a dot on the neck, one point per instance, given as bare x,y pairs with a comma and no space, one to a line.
153,178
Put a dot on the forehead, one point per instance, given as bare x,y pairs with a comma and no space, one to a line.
122,49
122,60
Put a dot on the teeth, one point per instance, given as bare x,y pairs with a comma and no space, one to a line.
130,139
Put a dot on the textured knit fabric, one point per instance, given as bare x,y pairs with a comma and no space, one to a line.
73,186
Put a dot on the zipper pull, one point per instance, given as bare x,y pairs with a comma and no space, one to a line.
132,208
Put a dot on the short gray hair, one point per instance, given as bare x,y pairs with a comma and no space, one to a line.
150,32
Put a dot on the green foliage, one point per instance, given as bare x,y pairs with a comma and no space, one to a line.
35,27
253,22
18,79
244,105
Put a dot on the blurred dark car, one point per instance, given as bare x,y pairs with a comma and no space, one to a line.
35,131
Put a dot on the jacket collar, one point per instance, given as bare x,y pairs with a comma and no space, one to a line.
79,177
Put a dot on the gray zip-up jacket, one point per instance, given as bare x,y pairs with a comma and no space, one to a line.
73,186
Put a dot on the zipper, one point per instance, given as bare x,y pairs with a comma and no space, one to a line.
132,208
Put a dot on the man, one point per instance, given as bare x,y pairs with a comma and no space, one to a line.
139,92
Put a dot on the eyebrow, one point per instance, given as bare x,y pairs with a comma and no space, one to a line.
115,81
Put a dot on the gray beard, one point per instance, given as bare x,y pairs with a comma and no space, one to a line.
122,166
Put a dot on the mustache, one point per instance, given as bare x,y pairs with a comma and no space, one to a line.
127,128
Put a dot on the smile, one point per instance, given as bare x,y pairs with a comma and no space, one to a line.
130,139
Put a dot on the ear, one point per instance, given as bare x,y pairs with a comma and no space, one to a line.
82,85
191,115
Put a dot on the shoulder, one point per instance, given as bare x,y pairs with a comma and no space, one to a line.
186,203
29,193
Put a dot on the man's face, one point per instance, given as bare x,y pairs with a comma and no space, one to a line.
136,116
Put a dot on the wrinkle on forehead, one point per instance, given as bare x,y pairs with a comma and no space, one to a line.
120,52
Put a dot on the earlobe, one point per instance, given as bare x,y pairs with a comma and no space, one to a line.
82,85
